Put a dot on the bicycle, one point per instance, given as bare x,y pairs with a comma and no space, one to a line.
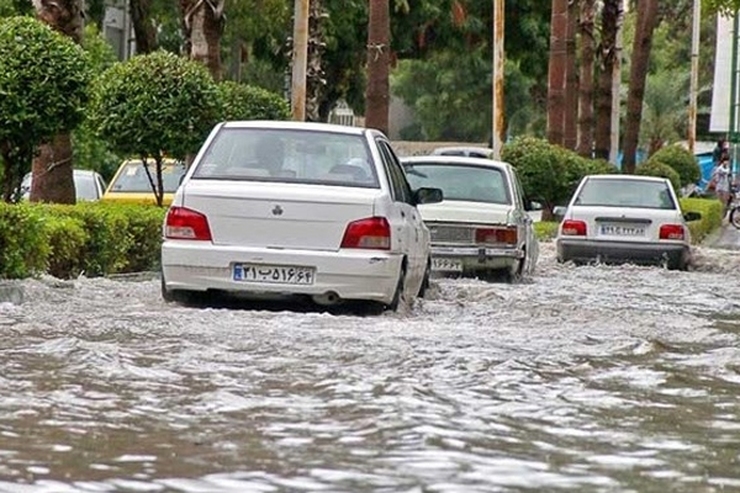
734,208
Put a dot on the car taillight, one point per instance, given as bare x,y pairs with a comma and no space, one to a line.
496,235
373,233
672,232
573,227
186,224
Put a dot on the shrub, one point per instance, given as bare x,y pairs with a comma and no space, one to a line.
681,161
244,102
155,105
67,238
549,173
145,235
711,216
656,168
44,79
546,230
24,249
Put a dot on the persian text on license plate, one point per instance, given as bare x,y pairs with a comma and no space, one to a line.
275,274
447,265
622,230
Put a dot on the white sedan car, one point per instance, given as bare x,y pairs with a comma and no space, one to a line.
625,218
482,227
292,208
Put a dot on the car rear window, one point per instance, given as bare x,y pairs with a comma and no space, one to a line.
461,182
289,156
85,186
625,193
133,177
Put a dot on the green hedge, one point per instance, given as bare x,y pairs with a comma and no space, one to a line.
65,241
710,210
711,216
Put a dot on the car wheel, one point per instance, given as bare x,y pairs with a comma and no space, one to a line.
398,295
172,296
425,282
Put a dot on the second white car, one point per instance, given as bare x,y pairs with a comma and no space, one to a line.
482,227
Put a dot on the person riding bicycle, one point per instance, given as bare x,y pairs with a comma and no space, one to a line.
722,180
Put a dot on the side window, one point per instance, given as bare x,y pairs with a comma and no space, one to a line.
396,176
518,187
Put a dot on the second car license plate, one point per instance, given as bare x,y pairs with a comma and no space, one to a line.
622,230
274,274
447,264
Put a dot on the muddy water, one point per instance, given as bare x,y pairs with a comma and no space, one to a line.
583,379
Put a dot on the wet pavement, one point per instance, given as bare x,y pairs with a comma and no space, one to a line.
593,378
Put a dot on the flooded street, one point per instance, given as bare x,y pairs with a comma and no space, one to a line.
581,379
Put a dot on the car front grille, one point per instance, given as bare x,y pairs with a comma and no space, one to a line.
441,233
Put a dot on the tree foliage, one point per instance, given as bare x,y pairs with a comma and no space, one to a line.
44,79
244,102
661,170
681,161
155,105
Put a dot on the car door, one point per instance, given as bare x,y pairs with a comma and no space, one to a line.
409,227
523,219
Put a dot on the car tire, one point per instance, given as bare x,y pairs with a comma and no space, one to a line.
175,296
398,295
425,283
735,217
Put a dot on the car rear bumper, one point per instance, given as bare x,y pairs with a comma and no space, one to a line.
479,258
622,252
352,275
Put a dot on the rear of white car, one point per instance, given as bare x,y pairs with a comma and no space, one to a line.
316,226
481,226
622,218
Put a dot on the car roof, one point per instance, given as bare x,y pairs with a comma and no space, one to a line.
295,125
476,149
454,160
628,177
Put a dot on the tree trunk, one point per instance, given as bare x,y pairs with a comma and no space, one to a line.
647,20
144,31
315,76
378,59
53,180
586,80
571,78
557,72
607,55
203,24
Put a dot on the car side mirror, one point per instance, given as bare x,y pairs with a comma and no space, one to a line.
531,205
558,212
691,216
427,195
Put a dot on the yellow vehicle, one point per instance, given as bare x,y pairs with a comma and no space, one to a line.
131,183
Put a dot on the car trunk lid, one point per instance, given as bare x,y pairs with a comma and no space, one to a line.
278,215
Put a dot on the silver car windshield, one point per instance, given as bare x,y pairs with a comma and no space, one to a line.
461,182
641,194
289,156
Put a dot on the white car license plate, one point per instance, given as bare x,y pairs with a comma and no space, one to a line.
622,230
274,274
447,264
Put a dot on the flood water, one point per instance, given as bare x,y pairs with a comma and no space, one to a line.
581,379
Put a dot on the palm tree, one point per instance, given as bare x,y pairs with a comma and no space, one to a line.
378,59
586,79
144,30
571,79
607,52
647,21
203,24
664,114
557,72
52,168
